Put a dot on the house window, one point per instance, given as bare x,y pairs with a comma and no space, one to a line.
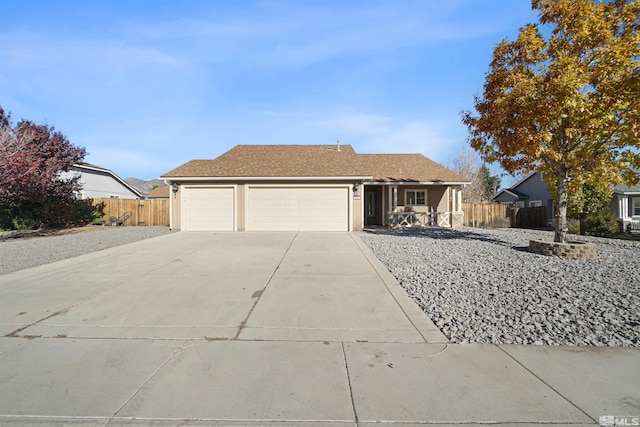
535,203
636,206
519,203
412,198
114,197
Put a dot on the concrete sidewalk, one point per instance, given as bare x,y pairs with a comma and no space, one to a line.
270,329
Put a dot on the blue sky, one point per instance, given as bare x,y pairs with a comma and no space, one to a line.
146,86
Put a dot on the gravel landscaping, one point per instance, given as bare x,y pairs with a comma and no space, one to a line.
484,286
25,251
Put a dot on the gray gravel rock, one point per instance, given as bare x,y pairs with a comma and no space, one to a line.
483,286
18,254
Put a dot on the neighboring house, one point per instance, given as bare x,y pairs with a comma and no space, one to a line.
533,191
529,192
99,182
311,187
159,192
626,205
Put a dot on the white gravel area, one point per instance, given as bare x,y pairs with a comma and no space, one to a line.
483,286
20,253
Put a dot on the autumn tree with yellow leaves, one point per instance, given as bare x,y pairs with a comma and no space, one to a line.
564,98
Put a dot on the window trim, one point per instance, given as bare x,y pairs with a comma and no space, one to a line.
635,206
535,203
406,197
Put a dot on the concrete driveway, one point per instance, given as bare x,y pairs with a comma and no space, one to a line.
269,329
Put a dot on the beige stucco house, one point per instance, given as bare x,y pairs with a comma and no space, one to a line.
312,188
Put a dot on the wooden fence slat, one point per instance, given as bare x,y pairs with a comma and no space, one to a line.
135,212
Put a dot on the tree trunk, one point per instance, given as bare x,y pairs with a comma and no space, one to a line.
561,212
583,224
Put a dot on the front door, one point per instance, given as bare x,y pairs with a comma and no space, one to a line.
372,205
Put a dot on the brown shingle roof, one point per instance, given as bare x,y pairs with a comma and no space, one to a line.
406,167
315,161
159,191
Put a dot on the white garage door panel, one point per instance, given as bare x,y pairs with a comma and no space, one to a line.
209,209
298,209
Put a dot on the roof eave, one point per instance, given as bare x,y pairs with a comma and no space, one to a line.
265,178
411,182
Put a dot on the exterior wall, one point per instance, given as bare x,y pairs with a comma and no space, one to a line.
623,206
175,204
535,188
357,208
240,214
437,198
355,203
96,184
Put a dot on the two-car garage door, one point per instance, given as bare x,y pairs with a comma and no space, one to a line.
298,209
268,208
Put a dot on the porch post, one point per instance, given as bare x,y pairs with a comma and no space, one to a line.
395,197
452,199
459,199
623,206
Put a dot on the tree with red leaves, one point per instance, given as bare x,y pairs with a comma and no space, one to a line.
32,194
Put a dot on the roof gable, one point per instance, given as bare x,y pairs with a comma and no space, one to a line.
523,180
80,166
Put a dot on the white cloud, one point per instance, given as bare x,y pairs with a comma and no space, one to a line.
367,132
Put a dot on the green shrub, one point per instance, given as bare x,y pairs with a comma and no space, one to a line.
98,219
573,225
53,213
602,224
21,224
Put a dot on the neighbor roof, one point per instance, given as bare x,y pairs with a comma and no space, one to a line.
315,161
158,192
515,193
628,190
89,166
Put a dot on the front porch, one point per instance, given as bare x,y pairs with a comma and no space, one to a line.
628,210
412,205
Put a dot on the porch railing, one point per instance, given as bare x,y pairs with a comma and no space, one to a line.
413,219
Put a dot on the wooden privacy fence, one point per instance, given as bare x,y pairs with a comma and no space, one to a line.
485,215
528,217
494,215
135,212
